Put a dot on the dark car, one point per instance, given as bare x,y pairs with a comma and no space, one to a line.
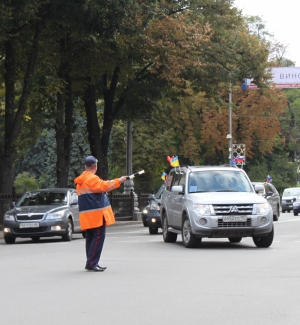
296,206
43,213
151,213
270,193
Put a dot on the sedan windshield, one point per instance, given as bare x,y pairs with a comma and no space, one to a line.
218,181
43,198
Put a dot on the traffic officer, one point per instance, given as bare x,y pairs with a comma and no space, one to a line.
95,212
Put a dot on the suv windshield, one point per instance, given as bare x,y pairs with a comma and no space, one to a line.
291,192
218,181
43,198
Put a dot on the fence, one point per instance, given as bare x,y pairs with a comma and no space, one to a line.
123,204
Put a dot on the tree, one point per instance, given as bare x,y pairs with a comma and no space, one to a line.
203,42
21,28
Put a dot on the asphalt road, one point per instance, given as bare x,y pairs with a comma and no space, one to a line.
150,282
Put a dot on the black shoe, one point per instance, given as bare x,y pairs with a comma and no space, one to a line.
102,267
95,268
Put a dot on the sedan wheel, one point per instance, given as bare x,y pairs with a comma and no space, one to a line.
153,231
9,240
69,232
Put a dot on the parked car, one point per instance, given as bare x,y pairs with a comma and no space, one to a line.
151,213
270,193
43,213
214,202
289,196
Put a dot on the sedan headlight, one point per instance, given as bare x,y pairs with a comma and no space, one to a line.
9,217
296,204
201,209
262,208
55,215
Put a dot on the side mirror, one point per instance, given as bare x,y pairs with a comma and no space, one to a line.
13,204
151,197
177,188
74,202
258,188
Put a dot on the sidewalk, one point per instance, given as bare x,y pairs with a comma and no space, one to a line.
118,223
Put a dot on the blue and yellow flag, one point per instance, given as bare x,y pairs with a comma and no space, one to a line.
163,176
174,162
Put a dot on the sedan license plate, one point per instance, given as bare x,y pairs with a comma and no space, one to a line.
29,225
234,218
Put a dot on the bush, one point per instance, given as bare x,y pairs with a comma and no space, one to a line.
24,182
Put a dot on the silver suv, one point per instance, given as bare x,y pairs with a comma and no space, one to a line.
214,202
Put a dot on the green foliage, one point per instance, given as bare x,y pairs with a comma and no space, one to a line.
24,182
278,166
40,159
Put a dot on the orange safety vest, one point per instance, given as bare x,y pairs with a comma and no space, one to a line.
94,205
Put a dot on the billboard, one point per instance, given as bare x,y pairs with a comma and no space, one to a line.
283,77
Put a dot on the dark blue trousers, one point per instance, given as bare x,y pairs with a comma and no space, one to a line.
94,241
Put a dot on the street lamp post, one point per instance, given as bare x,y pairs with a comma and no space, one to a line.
229,136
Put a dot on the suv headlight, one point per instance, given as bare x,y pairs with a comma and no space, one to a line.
55,215
9,217
201,209
262,208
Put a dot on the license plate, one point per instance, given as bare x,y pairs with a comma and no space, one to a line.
29,225
234,218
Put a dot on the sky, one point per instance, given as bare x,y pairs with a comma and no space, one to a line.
280,18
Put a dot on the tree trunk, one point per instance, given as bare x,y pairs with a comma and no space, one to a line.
64,127
13,121
94,133
99,139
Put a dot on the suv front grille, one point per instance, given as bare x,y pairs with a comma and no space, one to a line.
234,224
235,209
25,217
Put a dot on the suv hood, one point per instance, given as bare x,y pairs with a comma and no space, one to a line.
227,198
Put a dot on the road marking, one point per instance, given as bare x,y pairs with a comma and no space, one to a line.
287,220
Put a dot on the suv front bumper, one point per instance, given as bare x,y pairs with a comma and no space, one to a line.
235,230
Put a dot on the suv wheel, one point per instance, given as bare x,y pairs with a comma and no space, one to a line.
189,239
235,239
169,237
265,241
